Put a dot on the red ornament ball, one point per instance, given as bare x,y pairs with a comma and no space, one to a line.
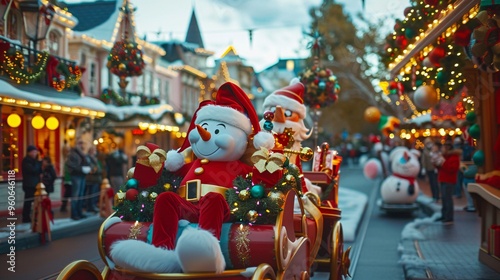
131,194
268,116
437,54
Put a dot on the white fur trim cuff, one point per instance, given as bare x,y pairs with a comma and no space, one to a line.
174,161
285,102
224,114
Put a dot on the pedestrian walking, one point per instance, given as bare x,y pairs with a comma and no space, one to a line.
31,170
66,189
48,175
93,181
447,178
115,163
78,167
429,168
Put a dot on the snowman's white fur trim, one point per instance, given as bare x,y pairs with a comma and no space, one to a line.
226,115
199,251
286,102
175,161
138,255
263,139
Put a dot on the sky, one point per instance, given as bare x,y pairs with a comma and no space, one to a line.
278,24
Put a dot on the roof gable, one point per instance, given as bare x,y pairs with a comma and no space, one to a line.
91,14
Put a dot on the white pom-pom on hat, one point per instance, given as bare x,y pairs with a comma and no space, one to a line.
263,139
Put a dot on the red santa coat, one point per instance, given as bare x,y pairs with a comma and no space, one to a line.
210,211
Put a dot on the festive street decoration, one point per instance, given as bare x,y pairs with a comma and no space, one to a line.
125,59
321,84
386,124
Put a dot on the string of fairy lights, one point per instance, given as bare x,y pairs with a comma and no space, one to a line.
440,63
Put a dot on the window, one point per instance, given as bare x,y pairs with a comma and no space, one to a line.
92,79
166,91
11,147
147,84
14,25
140,85
53,42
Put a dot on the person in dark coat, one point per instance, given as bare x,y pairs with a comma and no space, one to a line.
31,170
48,175
78,167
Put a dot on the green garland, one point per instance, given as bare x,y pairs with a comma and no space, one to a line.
142,208
245,207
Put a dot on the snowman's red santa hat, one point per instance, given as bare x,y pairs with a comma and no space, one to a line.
290,97
232,106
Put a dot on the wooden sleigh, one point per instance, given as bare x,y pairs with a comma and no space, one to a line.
289,249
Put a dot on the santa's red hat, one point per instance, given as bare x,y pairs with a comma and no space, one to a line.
232,106
290,97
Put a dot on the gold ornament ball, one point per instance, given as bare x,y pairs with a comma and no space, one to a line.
153,196
130,173
119,198
372,114
167,187
425,97
244,195
322,73
276,195
252,216
122,67
108,64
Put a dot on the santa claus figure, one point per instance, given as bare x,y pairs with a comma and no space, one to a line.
218,135
289,110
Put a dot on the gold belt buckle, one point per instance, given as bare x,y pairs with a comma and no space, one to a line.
193,190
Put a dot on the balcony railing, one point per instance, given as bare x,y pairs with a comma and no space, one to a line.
24,66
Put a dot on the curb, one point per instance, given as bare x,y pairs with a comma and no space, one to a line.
414,266
62,228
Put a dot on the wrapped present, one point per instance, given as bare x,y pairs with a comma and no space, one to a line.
149,165
323,160
494,240
268,167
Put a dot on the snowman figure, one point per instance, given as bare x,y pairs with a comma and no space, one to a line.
401,186
218,135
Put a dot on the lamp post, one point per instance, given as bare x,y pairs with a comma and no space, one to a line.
37,19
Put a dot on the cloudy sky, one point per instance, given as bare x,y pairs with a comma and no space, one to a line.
278,24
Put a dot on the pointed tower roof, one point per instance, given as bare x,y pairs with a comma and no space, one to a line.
193,34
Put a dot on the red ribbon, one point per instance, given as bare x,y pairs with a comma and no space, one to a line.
411,179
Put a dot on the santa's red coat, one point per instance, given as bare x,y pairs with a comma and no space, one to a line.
210,212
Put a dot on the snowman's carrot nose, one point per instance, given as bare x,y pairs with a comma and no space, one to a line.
205,135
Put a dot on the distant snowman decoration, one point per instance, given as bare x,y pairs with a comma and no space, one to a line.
401,186
219,136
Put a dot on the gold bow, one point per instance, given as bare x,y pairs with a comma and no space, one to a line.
154,159
263,160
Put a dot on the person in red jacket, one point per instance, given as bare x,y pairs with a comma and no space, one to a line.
447,178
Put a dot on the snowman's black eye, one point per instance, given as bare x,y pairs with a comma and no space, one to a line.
216,131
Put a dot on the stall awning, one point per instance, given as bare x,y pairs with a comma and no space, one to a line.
454,13
70,104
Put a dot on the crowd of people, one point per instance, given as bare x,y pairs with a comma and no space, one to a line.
82,174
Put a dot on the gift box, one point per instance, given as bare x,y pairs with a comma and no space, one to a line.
149,165
268,167
494,240
266,178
